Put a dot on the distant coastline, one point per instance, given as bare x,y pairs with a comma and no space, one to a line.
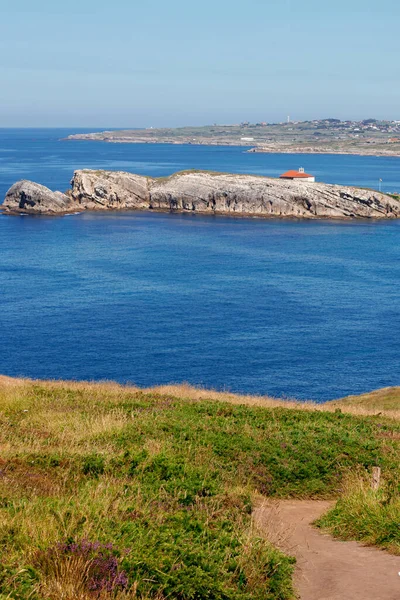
317,150
329,136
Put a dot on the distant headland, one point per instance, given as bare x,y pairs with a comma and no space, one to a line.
370,137
294,195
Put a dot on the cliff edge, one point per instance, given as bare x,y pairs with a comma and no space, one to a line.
203,192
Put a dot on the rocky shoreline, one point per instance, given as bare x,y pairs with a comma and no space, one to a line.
275,148
356,151
201,192
279,143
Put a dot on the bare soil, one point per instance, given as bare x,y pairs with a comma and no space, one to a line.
327,569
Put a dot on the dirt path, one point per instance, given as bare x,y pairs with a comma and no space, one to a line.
327,569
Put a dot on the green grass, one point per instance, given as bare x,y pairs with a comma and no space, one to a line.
372,517
170,482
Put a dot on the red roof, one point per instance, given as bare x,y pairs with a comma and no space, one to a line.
295,175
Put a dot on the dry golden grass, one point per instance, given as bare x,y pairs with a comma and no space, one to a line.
65,577
384,402
386,399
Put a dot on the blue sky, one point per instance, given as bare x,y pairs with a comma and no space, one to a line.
130,63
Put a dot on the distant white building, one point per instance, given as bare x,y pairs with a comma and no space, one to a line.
299,175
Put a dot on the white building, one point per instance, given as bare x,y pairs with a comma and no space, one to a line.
299,175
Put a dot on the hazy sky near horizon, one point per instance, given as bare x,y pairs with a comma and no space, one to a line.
85,63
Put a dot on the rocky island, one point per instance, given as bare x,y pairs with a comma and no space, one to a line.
202,192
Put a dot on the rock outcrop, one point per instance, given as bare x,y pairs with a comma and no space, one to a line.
262,196
32,198
110,190
204,192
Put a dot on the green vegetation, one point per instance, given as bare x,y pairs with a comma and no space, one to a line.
110,492
363,514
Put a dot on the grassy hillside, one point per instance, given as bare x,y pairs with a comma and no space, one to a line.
386,399
384,402
109,492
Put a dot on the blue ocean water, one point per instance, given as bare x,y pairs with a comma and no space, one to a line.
291,309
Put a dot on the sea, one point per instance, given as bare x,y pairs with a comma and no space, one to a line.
291,309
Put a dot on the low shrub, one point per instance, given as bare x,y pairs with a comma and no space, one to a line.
93,465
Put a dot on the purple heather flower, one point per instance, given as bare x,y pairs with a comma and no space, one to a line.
104,570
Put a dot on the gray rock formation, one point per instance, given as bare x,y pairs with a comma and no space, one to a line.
110,190
222,193
262,196
33,198
215,193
